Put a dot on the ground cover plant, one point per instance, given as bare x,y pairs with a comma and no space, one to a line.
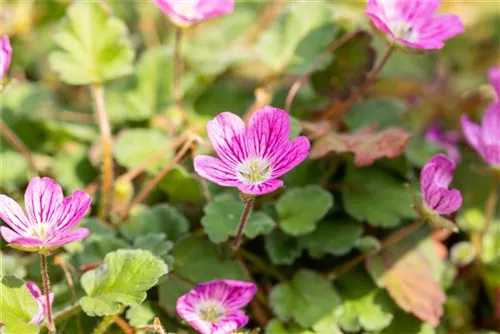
279,167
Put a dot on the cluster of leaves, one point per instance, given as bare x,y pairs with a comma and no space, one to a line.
343,201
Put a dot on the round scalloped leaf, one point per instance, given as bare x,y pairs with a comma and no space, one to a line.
282,248
17,307
382,112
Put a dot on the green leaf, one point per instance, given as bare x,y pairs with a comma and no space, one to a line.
332,237
366,306
17,307
10,178
140,315
282,248
222,217
93,47
123,280
300,209
382,112
420,150
307,298
73,168
182,187
277,46
196,260
156,244
490,253
375,196
161,218
407,324
368,244
134,147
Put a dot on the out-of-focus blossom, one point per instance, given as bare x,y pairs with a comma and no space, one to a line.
435,178
494,76
215,307
252,158
41,301
5,55
485,138
50,217
412,22
187,12
446,140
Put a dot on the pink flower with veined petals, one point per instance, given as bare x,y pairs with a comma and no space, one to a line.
446,140
215,307
187,12
435,178
41,301
49,220
5,55
251,158
412,22
485,139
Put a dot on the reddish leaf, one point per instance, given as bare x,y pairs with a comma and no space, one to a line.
366,144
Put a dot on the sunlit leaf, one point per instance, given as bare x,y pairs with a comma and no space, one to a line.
17,307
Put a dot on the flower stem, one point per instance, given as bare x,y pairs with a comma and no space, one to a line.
243,221
106,322
107,151
263,266
391,240
46,290
178,72
18,144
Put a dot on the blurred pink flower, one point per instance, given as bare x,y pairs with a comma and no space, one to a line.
494,76
446,140
187,12
412,22
50,218
251,159
215,307
41,301
5,55
435,178
485,139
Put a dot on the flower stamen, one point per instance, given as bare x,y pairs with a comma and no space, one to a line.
254,171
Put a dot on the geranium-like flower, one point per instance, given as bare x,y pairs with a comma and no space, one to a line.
5,55
252,159
41,301
187,12
412,22
485,139
50,217
215,307
435,178
446,140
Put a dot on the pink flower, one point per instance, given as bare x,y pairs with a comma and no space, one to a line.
214,307
187,12
485,139
5,55
446,140
412,22
49,220
41,301
435,179
251,158
494,76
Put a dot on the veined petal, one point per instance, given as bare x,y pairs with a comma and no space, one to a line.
438,171
379,22
41,301
13,238
290,156
442,200
75,235
215,170
70,211
494,77
42,198
227,134
491,155
231,293
472,133
441,27
417,10
12,214
34,289
262,188
230,323
490,130
8,235
211,9
268,132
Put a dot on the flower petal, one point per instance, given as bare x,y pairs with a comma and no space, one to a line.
490,130
211,9
441,28
268,132
12,214
491,155
230,323
76,235
42,198
8,235
227,134
70,211
438,171
290,156
215,170
472,133
262,188
34,289
442,200
494,77
13,238
238,293
379,22
416,10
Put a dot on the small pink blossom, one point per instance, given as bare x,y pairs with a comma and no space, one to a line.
435,178
485,139
41,301
446,140
215,307
187,12
494,76
5,55
412,22
252,158
49,220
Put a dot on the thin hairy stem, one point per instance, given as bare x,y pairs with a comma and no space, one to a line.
46,290
243,221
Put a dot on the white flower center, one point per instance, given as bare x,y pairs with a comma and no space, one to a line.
210,310
39,230
404,30
254,171
185,8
